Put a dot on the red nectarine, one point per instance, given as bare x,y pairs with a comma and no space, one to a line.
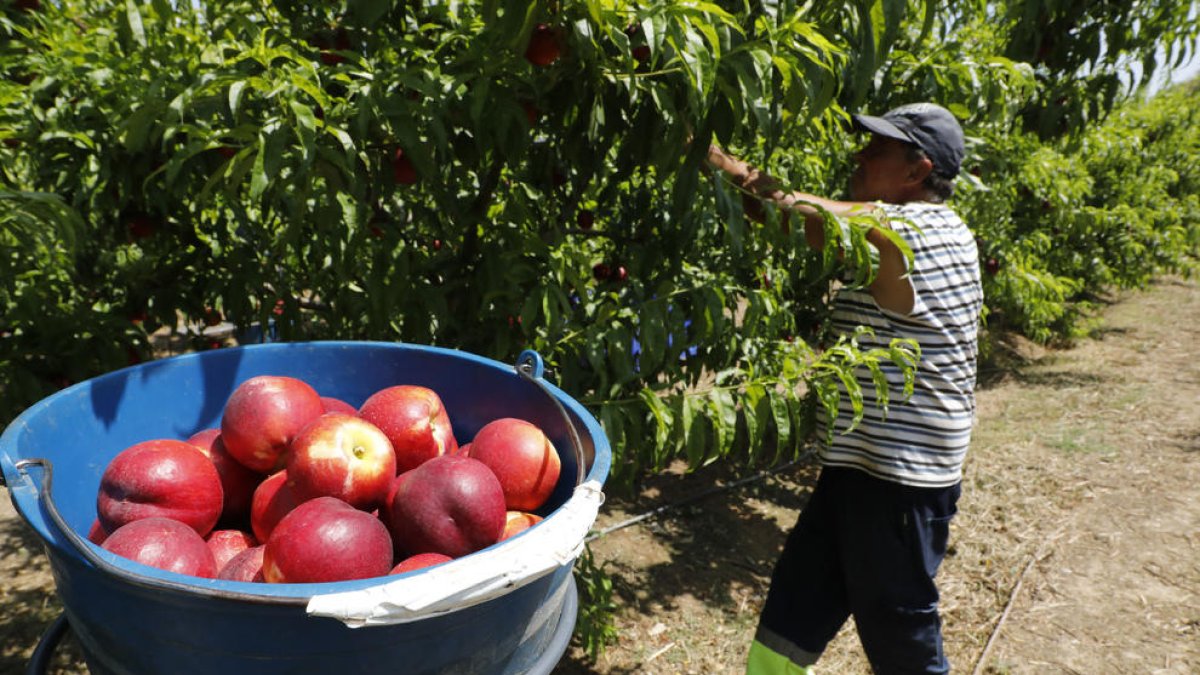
165,477
414,420
523,459
419,561
451,504
163,543
326,539
263,415
342,456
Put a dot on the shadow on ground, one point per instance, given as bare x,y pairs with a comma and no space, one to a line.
28,609
715,541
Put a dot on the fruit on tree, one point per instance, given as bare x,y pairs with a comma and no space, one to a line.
166,478
343,456
325,539
142,226
238,482
419,561
545,46
263,415
523,459
329,42
403,171
163,543
531,112
415,421
639,50
453,505
992,266
585,219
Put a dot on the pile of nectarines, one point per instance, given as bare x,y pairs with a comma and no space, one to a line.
295,487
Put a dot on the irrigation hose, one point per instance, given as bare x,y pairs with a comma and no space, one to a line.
658,510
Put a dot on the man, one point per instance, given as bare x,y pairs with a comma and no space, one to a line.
871,537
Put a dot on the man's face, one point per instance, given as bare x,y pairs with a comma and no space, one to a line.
883,168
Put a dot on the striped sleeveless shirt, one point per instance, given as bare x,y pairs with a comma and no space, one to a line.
921,441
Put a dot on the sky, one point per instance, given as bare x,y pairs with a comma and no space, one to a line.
1185,72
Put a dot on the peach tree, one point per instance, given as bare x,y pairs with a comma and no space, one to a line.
500,175
491,176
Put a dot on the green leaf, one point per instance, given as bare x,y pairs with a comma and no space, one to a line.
135,130
854,391
781,417
235,97
133,18
663,418
652,335
268,159
368,12
82,139
694,430
752,397
163,8
614,429
723,417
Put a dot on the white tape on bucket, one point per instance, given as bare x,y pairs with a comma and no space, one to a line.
472,579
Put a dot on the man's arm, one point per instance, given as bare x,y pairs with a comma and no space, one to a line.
891,288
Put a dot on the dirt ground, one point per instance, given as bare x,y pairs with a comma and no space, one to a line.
1076,548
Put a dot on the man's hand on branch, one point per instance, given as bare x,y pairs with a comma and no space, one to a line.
745,175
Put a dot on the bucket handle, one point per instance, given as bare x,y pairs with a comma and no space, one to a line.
82,547
531,367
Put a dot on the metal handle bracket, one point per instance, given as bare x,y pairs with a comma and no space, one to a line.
531,368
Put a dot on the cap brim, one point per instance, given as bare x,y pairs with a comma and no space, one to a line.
880,127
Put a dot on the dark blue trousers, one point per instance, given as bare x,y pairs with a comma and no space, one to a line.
867,548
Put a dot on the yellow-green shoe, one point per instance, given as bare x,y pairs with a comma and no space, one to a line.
765,661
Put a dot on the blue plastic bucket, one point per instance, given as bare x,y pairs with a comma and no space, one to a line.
131,618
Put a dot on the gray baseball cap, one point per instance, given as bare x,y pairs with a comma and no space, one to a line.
928,126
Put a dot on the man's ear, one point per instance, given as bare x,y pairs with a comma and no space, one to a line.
919,170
